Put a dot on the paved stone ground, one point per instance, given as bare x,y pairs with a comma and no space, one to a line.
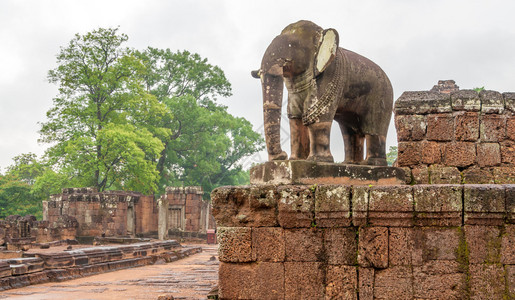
189,278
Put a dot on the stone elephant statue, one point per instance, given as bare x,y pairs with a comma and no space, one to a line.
324,83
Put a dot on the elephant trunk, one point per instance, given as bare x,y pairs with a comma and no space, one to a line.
272,103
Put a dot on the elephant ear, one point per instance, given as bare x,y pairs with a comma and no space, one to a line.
326,50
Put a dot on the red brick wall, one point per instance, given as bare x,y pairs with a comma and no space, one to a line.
381,242
459,137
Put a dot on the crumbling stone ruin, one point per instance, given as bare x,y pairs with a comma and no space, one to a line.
23,233
457,137
130,214
442,236
187,215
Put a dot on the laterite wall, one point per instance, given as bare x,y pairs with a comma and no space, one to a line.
457,137
448,234
361,242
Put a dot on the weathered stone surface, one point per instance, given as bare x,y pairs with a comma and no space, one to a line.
504,175
366,283
296,206
341,282
510,281
466,126
434,243
484,204
268,244
309,173
486,281
420,174
439,279
401,246
431,152
510,128
492,128
488,154
373,247
476,175
508,246
508,152
459,154
393,283
303,280
440,127
409,154
340,246
245,206
491,102
303,244
360,195
422,102
390,206
251,281
416,246
467,100
332,206
510,202
234,244
228,203
410,127
509,101
438,205
484,244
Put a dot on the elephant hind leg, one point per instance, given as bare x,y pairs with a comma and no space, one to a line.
376,151
353,143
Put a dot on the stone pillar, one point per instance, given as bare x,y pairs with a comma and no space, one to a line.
162,221
45,210
131,221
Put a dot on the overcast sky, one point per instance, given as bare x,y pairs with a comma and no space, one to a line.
415,42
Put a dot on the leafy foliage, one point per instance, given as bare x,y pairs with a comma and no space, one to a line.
131,120
207,142
95,118
391,156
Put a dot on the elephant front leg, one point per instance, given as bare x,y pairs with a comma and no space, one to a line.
299,140
376,151
319,137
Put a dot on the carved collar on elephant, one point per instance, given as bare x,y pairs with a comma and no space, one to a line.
301,83
320,105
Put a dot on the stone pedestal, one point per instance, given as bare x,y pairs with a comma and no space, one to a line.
307,172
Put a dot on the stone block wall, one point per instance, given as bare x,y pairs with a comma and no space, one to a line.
187,211
448,241
109,213
458,136
18,232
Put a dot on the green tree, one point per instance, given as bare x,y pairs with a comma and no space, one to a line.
16,198
98,125
391,156
207,142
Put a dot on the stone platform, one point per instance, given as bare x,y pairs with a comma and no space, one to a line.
307,172
366,242
51,266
